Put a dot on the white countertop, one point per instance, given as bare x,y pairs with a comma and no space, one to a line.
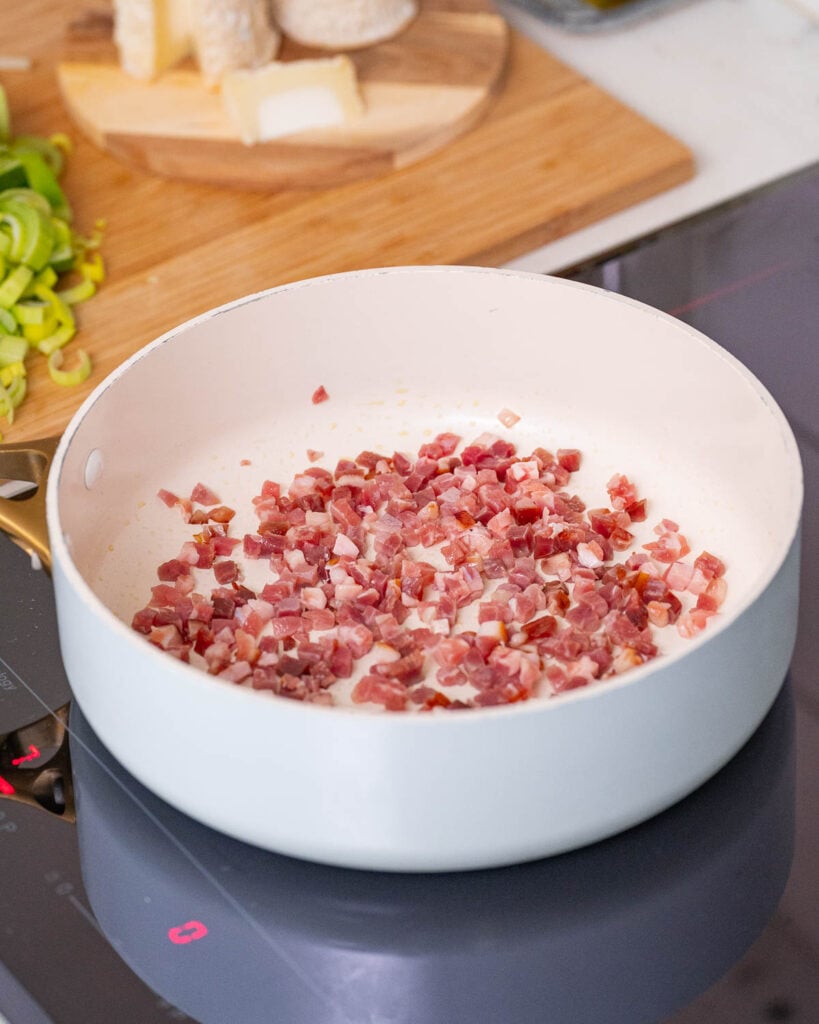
737,81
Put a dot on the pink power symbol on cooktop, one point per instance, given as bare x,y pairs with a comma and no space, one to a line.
6,788
188,932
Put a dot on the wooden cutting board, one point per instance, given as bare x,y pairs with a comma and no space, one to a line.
420,90
553,154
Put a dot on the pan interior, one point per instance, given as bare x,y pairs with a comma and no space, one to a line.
405,354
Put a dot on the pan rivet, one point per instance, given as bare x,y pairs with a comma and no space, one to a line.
93,468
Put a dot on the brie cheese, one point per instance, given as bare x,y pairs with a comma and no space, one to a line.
343,24
283,98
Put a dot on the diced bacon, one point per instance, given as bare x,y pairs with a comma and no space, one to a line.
313,597
590,555
622,492
583,618
345,547
172,570
626,658
359,639
699,581
658,613
203,495
670,546
392,693
167,637
559,565
499,524
569,459
692,622
709,565
226,572
173,501
288,625
508,418
556,608
679,575
519,471
717,590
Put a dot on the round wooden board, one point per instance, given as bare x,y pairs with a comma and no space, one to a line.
421,90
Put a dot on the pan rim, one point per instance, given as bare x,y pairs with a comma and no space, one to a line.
190,674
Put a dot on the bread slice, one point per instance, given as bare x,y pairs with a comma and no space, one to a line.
343,24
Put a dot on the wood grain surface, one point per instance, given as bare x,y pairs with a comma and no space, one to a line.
553,154
420,90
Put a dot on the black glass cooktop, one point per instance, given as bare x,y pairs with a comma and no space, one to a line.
115,907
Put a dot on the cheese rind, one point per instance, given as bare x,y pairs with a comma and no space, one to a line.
343,24
232,34
283,98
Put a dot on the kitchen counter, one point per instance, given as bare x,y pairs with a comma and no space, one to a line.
735,80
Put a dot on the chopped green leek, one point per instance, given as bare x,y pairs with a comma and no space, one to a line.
29,312
62,142
7,324
13,350
60,309
42,178
69,378
47,276
79,293
35,333
38,246
14,285
57,339
32,233
46,148
29,197
8,374
11,397
12,172
93,268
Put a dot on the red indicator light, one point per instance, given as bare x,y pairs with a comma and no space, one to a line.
188,932
32,755
6,788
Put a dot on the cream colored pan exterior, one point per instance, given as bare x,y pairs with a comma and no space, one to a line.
405,353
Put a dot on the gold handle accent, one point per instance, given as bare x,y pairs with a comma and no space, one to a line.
24,518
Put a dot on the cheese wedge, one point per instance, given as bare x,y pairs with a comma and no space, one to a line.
343,24
223,35
283,98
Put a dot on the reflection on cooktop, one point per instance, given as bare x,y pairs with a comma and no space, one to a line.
138,914
620,933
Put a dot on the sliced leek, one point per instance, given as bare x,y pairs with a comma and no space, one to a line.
38,246
14,285
12,350
69,378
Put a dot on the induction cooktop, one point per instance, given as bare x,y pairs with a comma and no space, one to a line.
116,907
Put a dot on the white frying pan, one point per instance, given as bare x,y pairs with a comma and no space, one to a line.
404,354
